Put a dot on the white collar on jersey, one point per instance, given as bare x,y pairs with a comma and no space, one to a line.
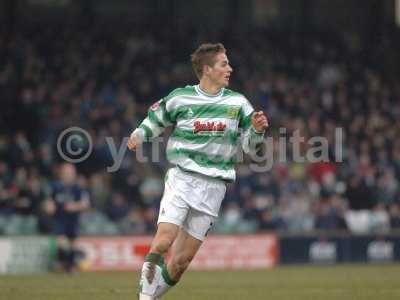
200,91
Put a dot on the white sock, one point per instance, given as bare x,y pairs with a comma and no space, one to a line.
148,281
165,283
149,288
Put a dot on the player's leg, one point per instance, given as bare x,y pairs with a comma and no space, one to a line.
173,212
183,252
184,249
62,253
66,234
165,236
154,260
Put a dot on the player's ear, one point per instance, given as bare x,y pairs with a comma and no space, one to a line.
206,69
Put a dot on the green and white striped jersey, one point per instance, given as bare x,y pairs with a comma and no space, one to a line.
207,129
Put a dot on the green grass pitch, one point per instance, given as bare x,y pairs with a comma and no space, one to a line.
281,283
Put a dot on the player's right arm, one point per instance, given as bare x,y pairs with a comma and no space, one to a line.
152,126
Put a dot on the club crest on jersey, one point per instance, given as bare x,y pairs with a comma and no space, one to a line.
233,112
209,127
155,106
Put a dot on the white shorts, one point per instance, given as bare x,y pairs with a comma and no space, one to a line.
191,201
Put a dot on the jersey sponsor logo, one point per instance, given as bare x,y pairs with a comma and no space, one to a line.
209,127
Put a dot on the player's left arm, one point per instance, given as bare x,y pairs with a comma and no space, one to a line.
253,125
259,121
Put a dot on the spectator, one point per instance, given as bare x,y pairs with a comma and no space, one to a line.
359,194
118,208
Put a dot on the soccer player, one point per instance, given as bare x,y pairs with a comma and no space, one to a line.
209,121
67,202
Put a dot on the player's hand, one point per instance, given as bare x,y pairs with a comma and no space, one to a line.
133,142
71,206
49,207
259,121
76,206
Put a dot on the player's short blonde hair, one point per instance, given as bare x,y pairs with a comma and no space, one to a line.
205,55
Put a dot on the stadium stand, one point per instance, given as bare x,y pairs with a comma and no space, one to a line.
104,80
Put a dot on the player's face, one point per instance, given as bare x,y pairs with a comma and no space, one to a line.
221,71
68,173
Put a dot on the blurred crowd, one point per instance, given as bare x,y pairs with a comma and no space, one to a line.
103,80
